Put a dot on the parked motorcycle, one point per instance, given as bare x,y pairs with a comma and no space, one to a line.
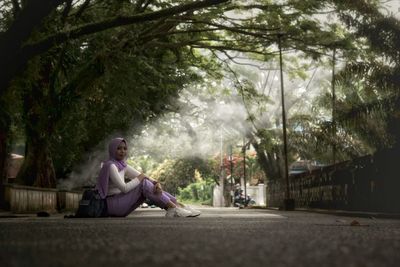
240,200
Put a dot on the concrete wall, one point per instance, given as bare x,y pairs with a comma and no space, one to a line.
68,200
218,197
257,193
26,199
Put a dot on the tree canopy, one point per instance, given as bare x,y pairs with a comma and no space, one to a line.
80,71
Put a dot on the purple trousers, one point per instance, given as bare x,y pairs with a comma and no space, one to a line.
122,204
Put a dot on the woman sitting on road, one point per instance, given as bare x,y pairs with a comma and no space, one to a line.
123,198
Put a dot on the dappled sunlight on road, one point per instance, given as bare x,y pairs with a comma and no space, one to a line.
208,212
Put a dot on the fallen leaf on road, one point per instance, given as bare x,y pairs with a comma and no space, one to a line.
357,223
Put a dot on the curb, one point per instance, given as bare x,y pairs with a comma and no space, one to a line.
361,214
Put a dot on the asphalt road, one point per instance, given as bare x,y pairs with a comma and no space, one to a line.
219,237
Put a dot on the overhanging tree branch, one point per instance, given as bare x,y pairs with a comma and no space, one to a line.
58,38
14,55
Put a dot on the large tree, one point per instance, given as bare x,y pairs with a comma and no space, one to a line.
371,105
30,29
161,28
366,103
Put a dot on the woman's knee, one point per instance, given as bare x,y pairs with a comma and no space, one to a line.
147,185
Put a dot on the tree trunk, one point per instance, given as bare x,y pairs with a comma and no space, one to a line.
37,169
3,154
3,160
268,163
4,133
5,122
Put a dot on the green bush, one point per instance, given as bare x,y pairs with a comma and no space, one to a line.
196,192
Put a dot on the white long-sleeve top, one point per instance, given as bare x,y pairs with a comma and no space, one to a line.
117,183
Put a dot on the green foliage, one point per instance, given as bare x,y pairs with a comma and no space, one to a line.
179,173
367,97
312,138
198,192
110,74
145,163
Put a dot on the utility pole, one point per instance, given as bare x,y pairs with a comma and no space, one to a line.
222,173
244,171
333,108
288,202
231,167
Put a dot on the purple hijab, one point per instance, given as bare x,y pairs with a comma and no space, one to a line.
104,175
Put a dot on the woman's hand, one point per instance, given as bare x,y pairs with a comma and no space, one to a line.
157,188
141,177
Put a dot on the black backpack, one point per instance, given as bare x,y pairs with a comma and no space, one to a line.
91,205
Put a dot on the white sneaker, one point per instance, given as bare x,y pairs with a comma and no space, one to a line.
178,212
194,212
